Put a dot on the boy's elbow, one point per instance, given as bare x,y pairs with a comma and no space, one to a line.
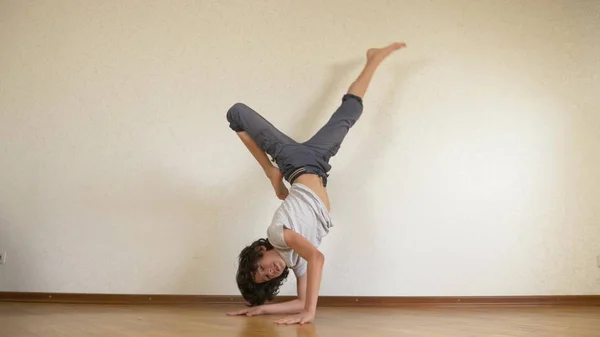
319,257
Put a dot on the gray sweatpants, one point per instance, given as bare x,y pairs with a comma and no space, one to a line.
293,158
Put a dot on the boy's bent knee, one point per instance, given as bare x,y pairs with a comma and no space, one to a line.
239,107
233,116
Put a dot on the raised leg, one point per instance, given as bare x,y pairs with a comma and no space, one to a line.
328,139
261,138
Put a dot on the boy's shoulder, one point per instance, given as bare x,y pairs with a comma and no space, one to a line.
275,235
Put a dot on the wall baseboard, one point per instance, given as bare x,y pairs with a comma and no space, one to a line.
324,301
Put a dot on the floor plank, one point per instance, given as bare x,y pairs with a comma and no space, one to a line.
70,320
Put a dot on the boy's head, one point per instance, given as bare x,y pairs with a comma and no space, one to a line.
261,272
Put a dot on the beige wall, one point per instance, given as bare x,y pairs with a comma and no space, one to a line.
473,171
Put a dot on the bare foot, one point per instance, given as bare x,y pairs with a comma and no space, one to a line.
276,179
378,54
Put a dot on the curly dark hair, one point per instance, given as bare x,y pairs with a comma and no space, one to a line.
256,293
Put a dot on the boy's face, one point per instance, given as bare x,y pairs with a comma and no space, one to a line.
270,266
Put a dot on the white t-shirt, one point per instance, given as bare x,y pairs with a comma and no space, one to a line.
304,213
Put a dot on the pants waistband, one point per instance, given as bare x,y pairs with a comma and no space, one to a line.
306,170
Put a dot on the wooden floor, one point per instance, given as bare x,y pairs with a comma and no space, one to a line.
48,320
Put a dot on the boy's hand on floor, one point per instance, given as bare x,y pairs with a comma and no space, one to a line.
301,318
276,179
253,311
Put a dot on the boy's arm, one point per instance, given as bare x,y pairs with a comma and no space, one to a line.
315,260
290,307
